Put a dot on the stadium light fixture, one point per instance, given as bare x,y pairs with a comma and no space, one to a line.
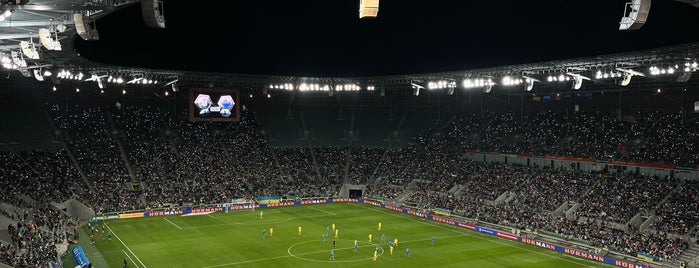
135,80
29,49
684,77
630,71
635,14
368,8
49,39
626,80
4,14
37,75
476,83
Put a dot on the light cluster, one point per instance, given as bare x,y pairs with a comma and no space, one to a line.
441,84
475,83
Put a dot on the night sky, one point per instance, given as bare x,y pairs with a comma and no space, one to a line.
327,38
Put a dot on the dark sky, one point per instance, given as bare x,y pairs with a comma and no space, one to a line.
327,38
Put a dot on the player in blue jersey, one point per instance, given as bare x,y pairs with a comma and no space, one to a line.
433,240
356,246
332,254
407,251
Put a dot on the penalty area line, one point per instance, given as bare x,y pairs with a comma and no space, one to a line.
173,224
311,206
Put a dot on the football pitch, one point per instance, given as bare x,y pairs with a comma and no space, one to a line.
235,239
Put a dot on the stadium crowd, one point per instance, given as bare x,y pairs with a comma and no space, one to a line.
121,159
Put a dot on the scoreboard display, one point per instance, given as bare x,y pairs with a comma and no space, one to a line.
214,104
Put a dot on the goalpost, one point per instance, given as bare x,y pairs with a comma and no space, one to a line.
241,204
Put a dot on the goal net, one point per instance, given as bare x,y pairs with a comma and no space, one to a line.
240,204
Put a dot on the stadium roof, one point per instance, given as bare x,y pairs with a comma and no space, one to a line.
648,68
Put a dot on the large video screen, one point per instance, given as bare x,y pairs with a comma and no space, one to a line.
214,104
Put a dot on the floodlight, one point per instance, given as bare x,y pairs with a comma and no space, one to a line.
29,50
368,8
86,29
49,39
528,84
153,14
629,71
684,77
635,14
37,75
627,80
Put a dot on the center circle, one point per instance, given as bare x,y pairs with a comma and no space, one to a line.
299,250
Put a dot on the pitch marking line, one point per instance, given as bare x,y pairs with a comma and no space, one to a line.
316,252
113,251
127,247
127,255
494,241
311,206
177,226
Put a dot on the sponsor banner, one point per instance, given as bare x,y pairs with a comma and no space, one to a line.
415,213
108,217
508,236
643,164
329,200
486,231
441,219
537,243
155,213
79,256
581,254
525,155
351,200
569,158
494,153
239,207
394,208
684,168
313,201
467,226
202,210
601,161
131,215
373,203
283,204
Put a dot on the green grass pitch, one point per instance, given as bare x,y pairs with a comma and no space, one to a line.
235,240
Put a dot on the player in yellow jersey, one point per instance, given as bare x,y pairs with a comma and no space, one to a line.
299,230
370,238
376,255
271,231
395,240
337,233
333,227
390,249
379,226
